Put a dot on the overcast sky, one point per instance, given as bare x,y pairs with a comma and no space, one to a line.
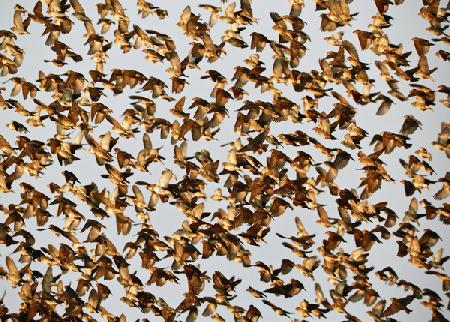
167,219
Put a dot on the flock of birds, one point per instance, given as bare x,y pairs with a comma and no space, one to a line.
265,175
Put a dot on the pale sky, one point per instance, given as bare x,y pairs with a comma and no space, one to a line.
406,23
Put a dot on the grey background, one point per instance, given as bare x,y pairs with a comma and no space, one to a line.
167,219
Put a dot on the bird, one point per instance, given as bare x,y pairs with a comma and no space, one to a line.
249,138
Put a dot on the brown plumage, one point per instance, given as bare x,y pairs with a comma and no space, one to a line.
308,184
